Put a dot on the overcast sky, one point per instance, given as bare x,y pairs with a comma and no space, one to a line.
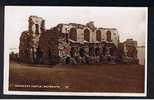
130,22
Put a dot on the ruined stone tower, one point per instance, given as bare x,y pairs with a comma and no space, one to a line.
29,40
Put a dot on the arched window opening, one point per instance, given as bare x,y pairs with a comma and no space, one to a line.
73,34
86,35
98,35
108,33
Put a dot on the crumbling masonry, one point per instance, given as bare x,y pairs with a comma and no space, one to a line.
74,44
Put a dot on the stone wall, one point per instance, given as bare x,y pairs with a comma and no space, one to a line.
29,40
24,47
130,51
80,29
49,46
74,44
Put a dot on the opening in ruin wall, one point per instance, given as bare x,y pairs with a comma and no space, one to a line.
85,34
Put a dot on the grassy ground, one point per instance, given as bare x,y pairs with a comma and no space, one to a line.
77,78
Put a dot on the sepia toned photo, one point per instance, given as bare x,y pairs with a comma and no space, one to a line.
81,51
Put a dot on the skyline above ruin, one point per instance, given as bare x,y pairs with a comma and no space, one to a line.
130,22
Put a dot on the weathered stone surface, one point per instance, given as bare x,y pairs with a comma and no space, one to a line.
130,49
49,46
74,44
24,47
29,40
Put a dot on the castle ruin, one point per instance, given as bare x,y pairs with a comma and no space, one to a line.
74,43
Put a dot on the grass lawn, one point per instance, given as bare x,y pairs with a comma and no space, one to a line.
77,78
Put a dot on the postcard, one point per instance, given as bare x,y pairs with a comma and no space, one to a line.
75,51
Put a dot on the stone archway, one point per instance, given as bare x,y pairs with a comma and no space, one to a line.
73,34
87,35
